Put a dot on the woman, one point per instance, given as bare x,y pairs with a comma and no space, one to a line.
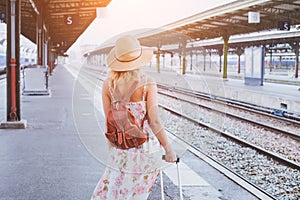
131,173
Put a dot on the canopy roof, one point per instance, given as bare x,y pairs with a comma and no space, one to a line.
227,20
56,13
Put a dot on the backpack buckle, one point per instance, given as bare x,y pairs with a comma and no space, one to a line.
117,105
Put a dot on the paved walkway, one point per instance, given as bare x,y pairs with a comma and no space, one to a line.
47,159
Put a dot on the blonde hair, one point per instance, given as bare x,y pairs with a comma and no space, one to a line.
114,76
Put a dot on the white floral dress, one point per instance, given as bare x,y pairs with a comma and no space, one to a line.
130,174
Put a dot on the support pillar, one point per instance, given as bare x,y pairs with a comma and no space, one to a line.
204,59
220,53
180,60
172,60
271,61
40,37
13,111
280,62
196,59
225,52
297,61
45,59
191,60
51,57
239,52
47,47
164,60
158,60
295,47
209,59
183,52
51,62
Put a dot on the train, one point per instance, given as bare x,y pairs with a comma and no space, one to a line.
286,62
27,57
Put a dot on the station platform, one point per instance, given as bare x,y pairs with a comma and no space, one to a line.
55,158
277,90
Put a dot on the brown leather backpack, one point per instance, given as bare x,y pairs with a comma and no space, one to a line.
122,129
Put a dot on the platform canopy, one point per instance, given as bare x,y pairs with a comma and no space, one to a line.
64,20
229,19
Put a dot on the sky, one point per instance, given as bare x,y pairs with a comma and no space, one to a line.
127,15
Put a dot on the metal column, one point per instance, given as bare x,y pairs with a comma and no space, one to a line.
239,52
158,59
13,116
40,36
183,53
225,52
295,47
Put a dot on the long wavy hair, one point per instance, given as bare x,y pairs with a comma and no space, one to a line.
114,76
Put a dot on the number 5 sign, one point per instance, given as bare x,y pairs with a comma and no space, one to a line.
71,19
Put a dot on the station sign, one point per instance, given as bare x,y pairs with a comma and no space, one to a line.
283,25
71,20
253,17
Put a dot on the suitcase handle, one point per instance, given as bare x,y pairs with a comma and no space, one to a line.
178,176
164,158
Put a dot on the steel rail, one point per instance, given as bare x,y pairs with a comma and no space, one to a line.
273,155
266,110
237,178
268,127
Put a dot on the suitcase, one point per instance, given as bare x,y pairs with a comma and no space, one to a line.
178,177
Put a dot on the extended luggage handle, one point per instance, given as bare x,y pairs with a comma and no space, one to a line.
178,177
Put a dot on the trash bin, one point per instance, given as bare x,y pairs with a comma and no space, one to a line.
35,80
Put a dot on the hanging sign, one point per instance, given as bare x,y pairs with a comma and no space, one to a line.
253,17
71,19
283,25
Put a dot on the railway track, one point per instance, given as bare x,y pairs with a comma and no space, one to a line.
240,112
261,168
238,140
284,142
266,111
264,154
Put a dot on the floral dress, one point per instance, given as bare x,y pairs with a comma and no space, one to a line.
131,173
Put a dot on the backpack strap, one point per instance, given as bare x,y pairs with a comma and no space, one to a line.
129,93
144,91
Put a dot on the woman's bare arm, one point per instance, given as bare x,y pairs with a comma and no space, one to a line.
155,122
106,100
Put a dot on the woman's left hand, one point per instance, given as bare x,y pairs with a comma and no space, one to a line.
170,154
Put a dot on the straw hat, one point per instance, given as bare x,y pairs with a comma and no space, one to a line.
128,54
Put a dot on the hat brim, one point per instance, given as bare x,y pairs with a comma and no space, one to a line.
144,59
